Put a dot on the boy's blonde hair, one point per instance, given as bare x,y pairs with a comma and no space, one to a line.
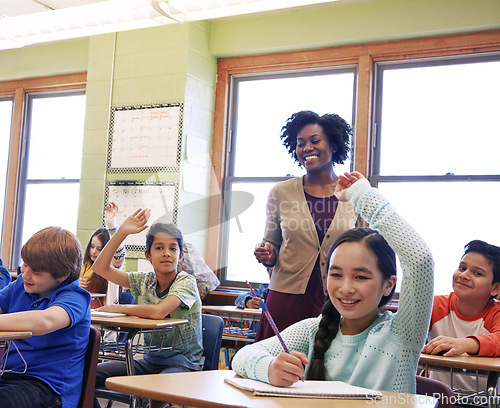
54,250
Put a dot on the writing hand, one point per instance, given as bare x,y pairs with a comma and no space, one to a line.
254,303
287,368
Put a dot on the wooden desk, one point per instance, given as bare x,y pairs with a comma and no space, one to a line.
99,297
472,363
8,337
14,335
207,389
132,326
232,317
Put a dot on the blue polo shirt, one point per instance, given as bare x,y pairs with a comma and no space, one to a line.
56,358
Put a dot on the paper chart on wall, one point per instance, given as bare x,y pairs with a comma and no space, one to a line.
145,137
161,197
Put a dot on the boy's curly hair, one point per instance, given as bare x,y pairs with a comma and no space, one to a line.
336,129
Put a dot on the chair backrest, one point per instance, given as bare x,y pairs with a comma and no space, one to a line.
212,338
435,388
126,298
90,369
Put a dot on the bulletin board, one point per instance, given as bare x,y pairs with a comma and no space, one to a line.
145,138
160,196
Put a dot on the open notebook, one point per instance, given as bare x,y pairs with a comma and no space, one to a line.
97,313
306,389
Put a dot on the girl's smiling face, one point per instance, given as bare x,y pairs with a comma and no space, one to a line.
356,286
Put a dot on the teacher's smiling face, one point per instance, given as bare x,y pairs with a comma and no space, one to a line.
313,150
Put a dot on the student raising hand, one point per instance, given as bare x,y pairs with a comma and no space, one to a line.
137,222
346,180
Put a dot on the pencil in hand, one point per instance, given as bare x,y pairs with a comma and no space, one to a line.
275,328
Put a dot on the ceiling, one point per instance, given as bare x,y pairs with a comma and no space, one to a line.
26,22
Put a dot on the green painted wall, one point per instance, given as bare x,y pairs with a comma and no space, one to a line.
355,23
163,64
65,57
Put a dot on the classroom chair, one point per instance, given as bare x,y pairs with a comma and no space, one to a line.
212,327
428,386
90,368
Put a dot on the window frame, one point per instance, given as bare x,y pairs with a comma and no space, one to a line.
364,56
18,90
229,176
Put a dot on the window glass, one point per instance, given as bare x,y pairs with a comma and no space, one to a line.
55,146
438,136
5,125
42,212
439,119
263,106
260,107
447,216
51,167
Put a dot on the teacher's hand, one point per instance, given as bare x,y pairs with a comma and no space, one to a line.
264,253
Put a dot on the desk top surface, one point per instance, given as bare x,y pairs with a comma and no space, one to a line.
467,362
232,309
13,335
136,322
212,392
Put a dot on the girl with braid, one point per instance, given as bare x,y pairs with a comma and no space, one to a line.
354,340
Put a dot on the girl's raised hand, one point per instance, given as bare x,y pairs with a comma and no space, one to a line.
137,222
346,180
110,212
287,368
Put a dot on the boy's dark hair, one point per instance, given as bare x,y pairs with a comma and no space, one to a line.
169,229
490,252
336,129
99,284
330,321
54,250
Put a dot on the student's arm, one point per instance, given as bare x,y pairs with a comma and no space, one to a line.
411,322
39,322
158,312
449,346
133,224
111,225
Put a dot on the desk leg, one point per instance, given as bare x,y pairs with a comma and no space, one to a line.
492,389
129,361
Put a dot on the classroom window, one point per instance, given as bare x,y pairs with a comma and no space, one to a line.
5,125
256,158
435,151
50,165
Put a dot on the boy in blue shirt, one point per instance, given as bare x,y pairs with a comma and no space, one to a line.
46,299
159,294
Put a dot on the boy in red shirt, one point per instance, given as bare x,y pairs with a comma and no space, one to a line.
468,319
